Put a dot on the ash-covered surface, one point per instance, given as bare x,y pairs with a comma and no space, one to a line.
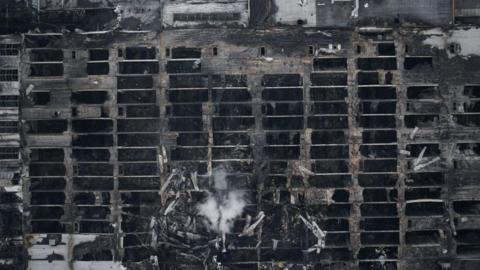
235,134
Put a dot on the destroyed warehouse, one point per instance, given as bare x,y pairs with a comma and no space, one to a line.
240,134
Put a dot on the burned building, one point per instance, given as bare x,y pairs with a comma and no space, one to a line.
235,134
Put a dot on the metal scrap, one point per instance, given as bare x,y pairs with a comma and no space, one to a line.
421,166
420,156
413,133
319,233
248,230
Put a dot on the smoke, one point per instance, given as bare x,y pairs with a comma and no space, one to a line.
222,207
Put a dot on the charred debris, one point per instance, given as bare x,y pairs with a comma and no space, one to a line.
236,134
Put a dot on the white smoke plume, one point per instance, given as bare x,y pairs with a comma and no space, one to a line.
222,207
